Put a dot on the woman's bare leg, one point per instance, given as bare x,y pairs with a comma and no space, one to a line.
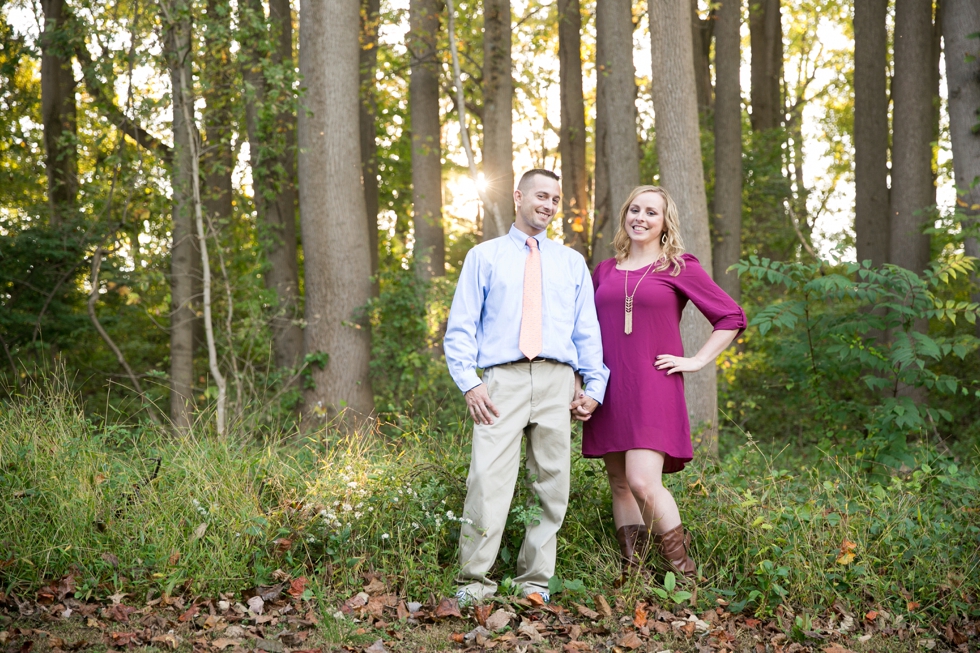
625,509
644,471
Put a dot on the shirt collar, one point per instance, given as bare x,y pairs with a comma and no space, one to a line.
520,238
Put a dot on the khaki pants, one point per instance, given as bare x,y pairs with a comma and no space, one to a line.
533,399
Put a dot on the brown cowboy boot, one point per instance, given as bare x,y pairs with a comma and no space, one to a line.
673,546
633,540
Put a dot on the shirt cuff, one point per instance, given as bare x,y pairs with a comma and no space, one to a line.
467,381
596,390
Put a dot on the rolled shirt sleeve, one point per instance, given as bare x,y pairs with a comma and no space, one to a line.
587,338
460,343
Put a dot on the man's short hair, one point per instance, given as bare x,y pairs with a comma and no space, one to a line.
531,174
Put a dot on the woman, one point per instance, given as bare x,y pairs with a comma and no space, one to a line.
642,431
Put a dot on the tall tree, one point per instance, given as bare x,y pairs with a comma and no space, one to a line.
271,124
703,30
728,146
961,22
498,100
183,249
912,133
218,90
766,38
58,111
681,173
333,215
617,158
430,242
370,20
871,131
571,144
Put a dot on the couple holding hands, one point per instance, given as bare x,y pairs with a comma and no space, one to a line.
526,312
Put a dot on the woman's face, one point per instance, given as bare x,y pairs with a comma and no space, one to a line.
645,218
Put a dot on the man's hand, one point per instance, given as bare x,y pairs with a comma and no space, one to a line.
481,408
583,407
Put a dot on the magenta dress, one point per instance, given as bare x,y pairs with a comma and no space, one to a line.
643,407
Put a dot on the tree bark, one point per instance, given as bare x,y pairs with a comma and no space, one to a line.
217,76
58,112
728,147
911,174
871,131
430,243
702,31
617,168
272,153
183,250
370,19
571,145
498,100
961,18
682,174
333,214
766,38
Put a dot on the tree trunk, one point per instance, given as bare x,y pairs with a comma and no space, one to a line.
498,99
911,175
728,147
961,18
333,215
682,174
430,242
702,31
571,145
272,148
766,38
370,19
219,116
183,250
58,112
617,170
871,131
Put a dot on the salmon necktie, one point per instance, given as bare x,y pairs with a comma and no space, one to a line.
530,341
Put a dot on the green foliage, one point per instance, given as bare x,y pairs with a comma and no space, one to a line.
854,350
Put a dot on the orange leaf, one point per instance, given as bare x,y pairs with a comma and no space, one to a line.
536,599
871,616
640,615
297,587
457,637
482,612
448,608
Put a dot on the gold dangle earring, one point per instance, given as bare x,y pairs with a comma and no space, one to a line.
663,239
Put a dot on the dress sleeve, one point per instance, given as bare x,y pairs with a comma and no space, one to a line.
714,303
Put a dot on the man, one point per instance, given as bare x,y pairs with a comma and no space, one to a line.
523,312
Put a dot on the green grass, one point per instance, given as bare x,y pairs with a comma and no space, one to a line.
81,498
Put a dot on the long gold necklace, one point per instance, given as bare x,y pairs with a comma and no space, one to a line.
629,298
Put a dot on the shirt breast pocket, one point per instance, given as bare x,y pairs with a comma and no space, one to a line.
562,304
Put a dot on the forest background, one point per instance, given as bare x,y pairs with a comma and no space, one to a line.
230,233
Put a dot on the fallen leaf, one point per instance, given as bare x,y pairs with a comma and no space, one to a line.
121,639
120,613
499,620
482,612
402,611
111,559
536,599
190,613
688,628
586,612
912,605
630,641
871,615
168,639
269,646
174,558
528,630
602,606
448,608
640,615
574,646
199,531
752,622
954,635
458,638
271,593
376,586
283,544
256,604
377,647
297,587
836,648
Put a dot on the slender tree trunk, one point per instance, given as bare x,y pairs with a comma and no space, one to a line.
219,117
728,147
58,112
498,99
370,20
617,148
682,174
766,37
430,242
271,125
183,250
912,133
961,18
332,210
571,145
871,131
937,101
702,31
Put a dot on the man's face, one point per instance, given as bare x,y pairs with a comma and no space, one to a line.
537,205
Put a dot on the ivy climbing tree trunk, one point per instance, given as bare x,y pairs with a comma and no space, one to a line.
333,215
498,100
681,173
617,159
430,244
58,111
370,20
728,147
871,131
571,145
271,124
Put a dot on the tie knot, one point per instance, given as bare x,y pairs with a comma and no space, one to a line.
532,242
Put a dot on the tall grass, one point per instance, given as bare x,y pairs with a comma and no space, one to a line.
221,515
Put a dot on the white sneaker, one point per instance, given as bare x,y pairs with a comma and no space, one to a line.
465,598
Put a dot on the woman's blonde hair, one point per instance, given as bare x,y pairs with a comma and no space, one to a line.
672,245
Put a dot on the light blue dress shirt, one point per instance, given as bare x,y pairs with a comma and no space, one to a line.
485,320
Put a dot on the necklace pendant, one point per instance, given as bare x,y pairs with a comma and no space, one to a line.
629,322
